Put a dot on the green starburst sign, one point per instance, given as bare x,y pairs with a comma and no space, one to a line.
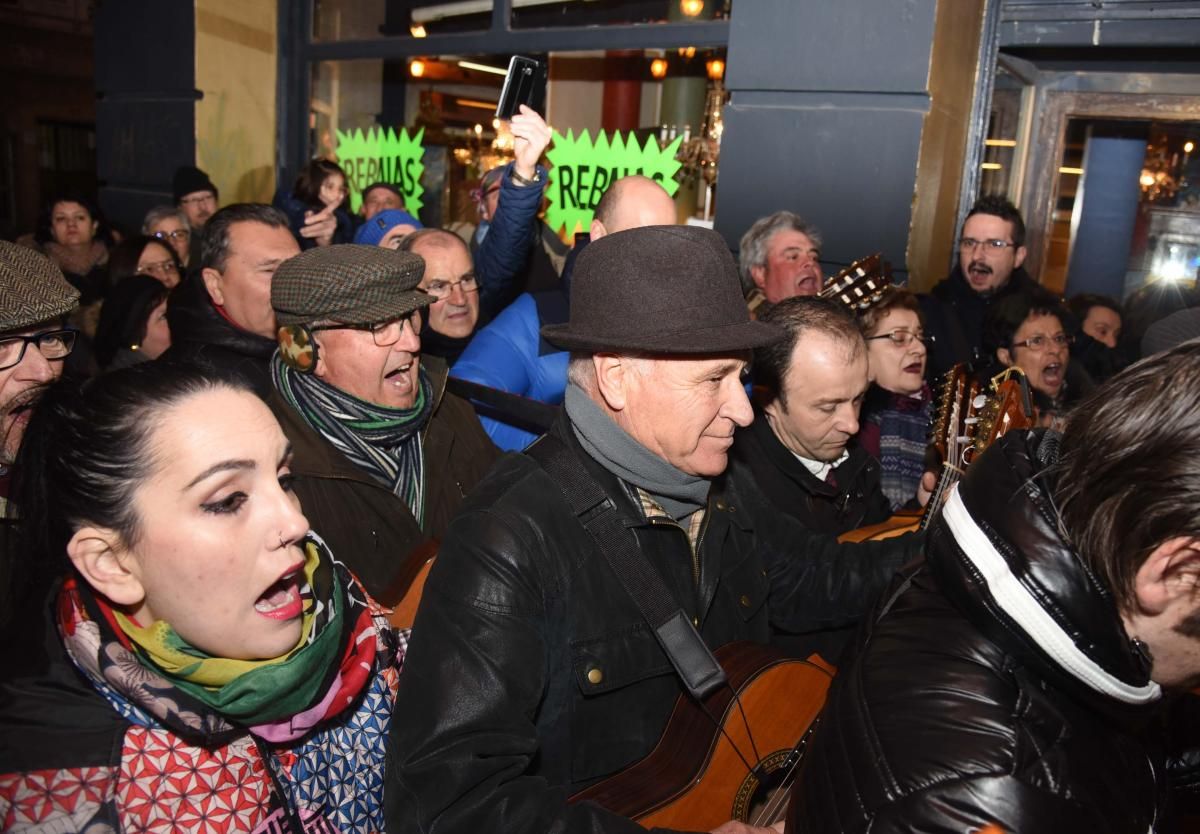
381,155
583,169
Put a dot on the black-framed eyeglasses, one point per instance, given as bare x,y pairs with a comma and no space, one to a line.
52,345
904,338
178,234
383,333
443,289
1039,343
968,243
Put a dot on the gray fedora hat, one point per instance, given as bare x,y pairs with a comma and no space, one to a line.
660,290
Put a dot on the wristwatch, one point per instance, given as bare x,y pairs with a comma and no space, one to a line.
520,180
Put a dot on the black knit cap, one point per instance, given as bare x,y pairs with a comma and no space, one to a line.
188,179
661,290
348,283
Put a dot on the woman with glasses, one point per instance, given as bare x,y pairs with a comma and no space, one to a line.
144,255
898,409
1027,330
206,663
170,225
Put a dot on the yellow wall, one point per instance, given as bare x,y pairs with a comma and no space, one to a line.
236,46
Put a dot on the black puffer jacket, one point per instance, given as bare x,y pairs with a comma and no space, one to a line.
997,686
531,673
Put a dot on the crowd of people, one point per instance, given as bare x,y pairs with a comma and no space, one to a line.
231,442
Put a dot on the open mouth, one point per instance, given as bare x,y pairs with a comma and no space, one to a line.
807,285
282,600
400,376
1052,375
915,368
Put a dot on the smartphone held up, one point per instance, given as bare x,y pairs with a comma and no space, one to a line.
525,84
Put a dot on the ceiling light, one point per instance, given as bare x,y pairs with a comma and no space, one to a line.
471,65
416,67
658,68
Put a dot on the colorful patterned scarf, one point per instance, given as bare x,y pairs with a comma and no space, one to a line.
152,676
385,442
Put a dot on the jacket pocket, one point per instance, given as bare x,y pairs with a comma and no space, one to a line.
626,688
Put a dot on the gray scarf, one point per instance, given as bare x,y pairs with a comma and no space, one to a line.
677,492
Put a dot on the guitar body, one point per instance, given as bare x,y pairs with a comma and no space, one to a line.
694,779
904,521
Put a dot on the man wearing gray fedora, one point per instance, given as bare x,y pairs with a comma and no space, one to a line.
576,591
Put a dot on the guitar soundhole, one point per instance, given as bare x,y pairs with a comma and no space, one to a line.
762,786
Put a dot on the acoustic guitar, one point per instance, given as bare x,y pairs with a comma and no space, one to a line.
734,756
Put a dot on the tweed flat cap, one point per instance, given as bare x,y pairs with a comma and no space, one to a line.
662,290
349,283
32,288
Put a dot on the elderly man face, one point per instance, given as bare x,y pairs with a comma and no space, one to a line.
791,267
816,413
684,410
380,364
450,279
26,366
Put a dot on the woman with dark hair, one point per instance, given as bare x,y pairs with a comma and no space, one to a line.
321,187
898,409
1027,330
133,323
72,233
207,661
145,255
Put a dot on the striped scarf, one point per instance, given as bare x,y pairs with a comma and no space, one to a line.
385,442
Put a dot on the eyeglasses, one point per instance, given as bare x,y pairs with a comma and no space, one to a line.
904,338
1039,343
443,289
969,243
159,268
383,333
56,344
195,201
178,234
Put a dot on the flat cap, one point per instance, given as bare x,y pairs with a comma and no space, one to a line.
348,283
32,288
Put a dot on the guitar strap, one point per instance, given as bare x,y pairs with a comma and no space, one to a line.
684,647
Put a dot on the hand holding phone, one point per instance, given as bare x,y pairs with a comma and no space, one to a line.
524,84
531,137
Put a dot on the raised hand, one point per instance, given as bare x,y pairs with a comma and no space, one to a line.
531,137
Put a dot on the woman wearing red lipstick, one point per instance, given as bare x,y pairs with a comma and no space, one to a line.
897,411
207,663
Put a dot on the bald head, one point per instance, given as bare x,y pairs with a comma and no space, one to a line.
426,239
630,203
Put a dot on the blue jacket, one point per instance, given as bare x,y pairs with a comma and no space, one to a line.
509,354
512,233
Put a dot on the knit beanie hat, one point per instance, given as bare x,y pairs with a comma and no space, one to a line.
189,178
32,289
374,230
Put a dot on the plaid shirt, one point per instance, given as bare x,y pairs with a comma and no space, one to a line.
652,509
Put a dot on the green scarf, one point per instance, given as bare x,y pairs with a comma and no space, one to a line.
255,691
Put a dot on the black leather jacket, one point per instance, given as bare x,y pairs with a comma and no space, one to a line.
531,673
996,686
